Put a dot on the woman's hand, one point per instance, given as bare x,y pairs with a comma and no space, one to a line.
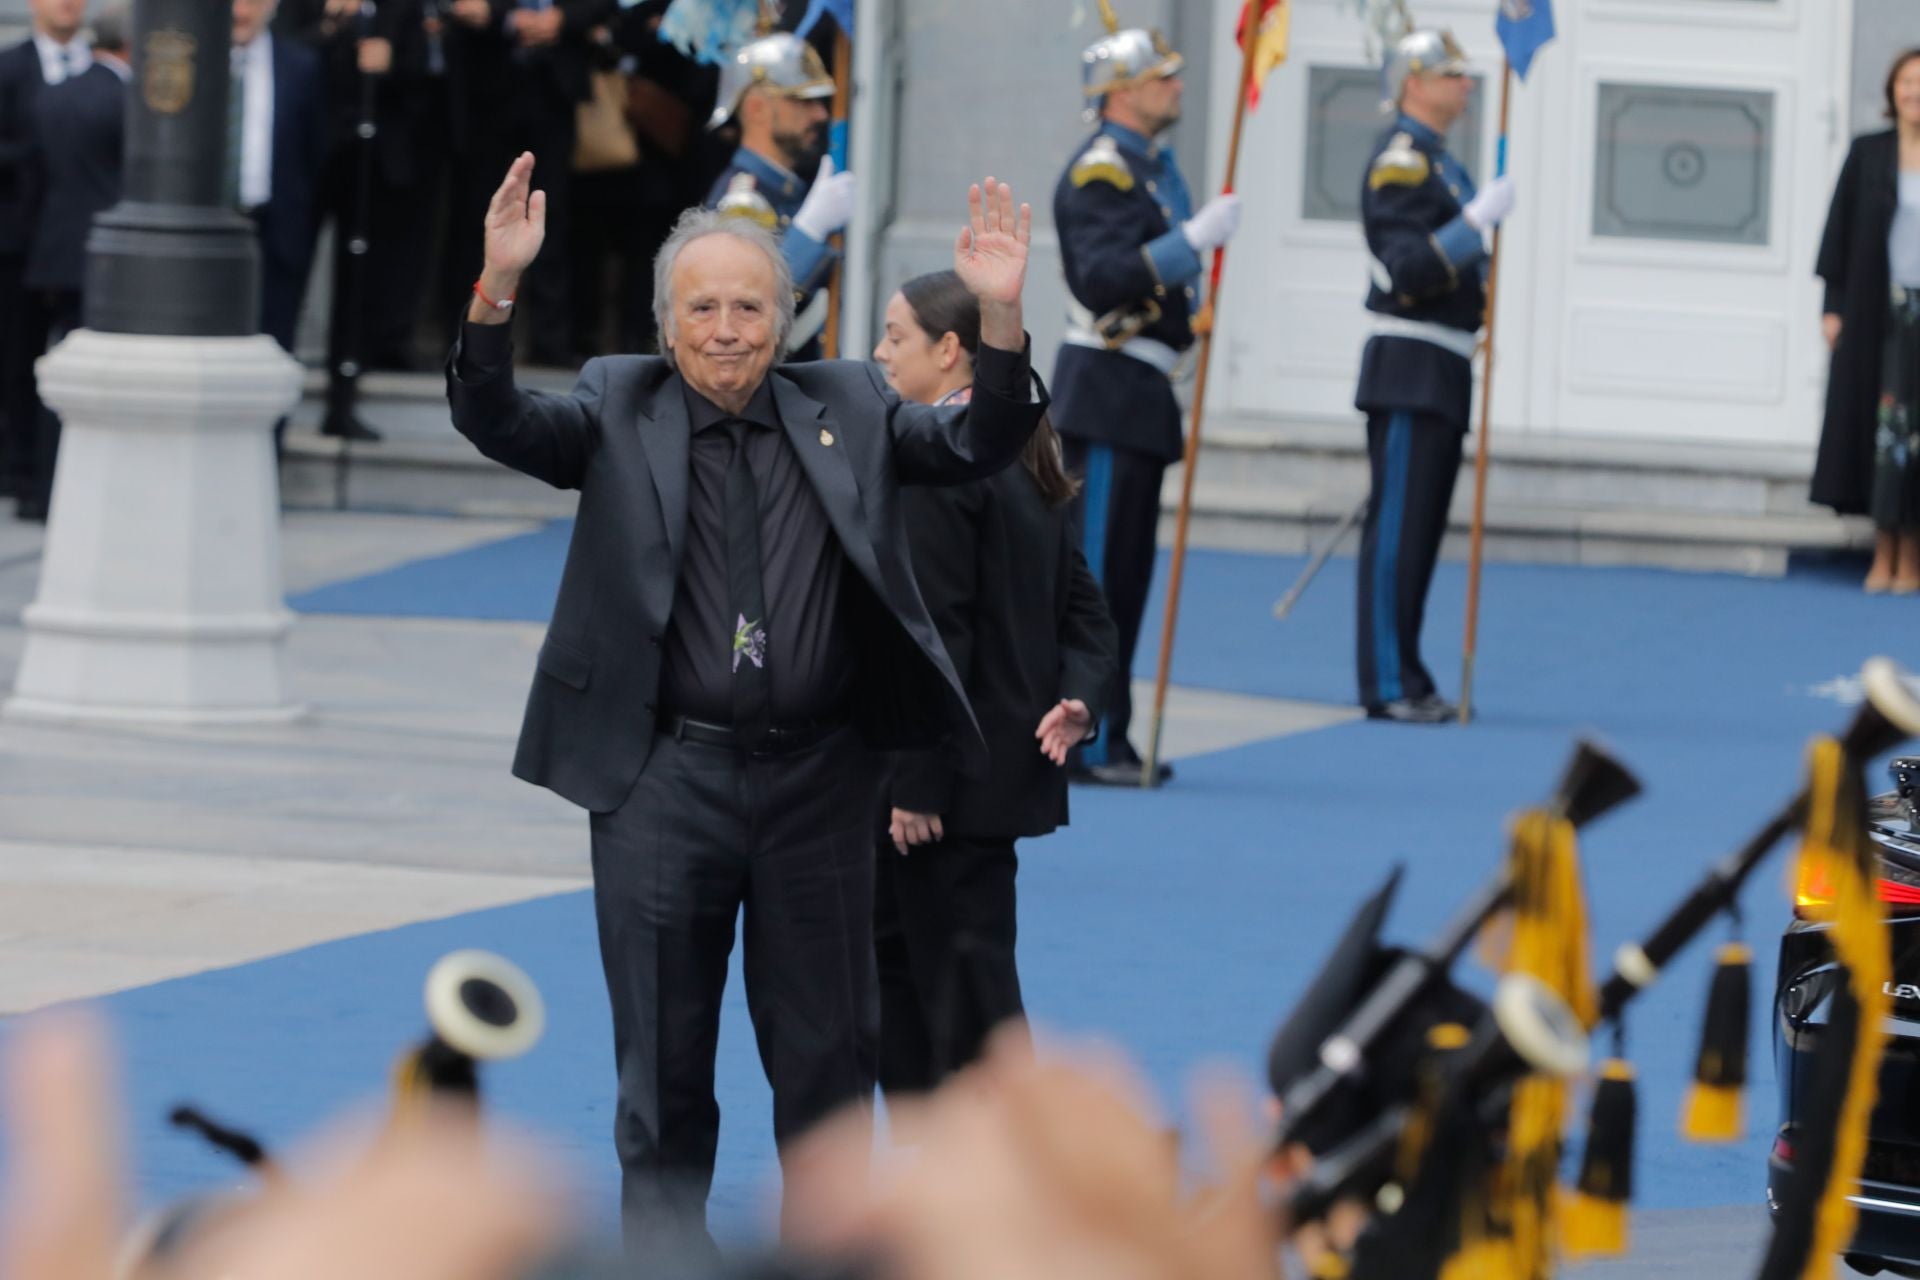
1830,329
1063,728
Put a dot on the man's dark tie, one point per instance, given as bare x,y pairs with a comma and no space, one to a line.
746,593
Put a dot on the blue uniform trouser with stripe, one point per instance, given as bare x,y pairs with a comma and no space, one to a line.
1117,516
1414,459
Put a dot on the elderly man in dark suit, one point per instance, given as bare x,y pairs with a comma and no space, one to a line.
737,633
81,126
276,144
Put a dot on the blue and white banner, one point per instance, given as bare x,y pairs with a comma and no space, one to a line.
841,11
1524,26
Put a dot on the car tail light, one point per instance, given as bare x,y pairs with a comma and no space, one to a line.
1783,1150
1900,895
1813,894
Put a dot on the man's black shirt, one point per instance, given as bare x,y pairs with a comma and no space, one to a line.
809,654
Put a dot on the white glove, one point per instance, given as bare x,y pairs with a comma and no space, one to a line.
1491,205
1215,224
829,203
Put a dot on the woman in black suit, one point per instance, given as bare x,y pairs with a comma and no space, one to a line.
1869,458
1028,631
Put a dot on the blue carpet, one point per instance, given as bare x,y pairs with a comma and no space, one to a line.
1182,923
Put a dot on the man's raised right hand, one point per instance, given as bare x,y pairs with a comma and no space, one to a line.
516,228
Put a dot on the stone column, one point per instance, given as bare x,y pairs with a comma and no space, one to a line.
160,597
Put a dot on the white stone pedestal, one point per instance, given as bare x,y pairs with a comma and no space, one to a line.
160,598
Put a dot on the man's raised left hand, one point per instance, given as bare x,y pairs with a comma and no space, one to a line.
990,257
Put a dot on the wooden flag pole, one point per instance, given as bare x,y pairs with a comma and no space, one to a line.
1477,538
1150,767
842,95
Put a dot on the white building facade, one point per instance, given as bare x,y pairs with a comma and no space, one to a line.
1675,159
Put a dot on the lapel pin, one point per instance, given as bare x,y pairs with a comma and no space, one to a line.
826,436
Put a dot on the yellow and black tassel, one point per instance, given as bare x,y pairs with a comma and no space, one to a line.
1593,1219
1714,1109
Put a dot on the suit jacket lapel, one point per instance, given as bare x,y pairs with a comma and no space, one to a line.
823,454
665,437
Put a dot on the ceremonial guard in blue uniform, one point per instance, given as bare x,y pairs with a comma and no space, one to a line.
779,90
1426,228
1133,249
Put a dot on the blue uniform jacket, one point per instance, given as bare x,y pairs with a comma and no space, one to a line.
1118,209
1429,266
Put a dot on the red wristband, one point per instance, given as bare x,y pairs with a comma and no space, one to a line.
481,294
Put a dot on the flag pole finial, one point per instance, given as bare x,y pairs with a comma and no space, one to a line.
1108,16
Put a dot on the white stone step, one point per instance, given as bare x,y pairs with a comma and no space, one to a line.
1242,517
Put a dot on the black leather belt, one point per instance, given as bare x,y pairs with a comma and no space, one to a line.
782,739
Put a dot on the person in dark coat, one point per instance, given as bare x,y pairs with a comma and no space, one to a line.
54,51
273,171
1869,457
998,564
81,127
737,633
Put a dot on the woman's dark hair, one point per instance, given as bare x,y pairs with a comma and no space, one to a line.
941,304
1893,74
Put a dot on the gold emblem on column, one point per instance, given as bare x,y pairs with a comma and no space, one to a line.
166,79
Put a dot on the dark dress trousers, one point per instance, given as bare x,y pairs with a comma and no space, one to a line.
289,219
81,124
688,831
1118,208
1416,386
1853,263
1024,621
20,83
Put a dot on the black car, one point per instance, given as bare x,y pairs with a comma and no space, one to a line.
1888,1237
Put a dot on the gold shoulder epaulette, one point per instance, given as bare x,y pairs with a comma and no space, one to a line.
743,200
1401,165
1102,162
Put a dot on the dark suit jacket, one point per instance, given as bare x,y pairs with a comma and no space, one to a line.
81,124
1026,625
622,439
291,216
20,82
1853,263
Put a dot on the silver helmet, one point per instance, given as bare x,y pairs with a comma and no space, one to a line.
1123,59
781,62
1420,53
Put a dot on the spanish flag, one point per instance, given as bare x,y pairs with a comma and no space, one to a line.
1270,39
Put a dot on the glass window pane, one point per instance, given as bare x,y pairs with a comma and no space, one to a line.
1679,163
1343,119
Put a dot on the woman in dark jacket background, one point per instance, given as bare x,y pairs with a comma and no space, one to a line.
1028,631
1869,459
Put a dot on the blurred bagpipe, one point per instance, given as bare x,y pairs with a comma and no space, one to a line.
1442,1116
480,1008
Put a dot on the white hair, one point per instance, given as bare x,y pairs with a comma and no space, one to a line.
698,224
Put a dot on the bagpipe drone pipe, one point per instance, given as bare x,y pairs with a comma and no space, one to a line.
479,1008
1433,1156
